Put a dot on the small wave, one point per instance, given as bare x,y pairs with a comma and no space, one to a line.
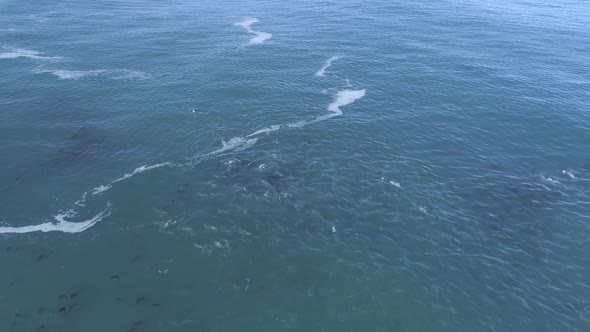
322,71
344,98
266,130
396,184
81,202
247,22
299,124
72,74
101,189
15,53
236,143
62,224
124,74
549,180
259,36
115,74
569,174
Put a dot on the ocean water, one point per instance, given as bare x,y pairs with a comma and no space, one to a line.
274,166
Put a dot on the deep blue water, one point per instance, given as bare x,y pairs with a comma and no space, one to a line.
330,166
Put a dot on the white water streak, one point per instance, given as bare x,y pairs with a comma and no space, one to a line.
62,225
15,53
259,36
342,98
138,170
322,71
570,174
115,74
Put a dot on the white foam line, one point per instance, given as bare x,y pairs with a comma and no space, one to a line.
396,184
322,71
72,74
235,144
138,170
549,180
21,53
81,202
109,73
62,224
259,36
342,98
266,130
568,173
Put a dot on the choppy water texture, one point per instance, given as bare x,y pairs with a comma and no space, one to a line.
302,166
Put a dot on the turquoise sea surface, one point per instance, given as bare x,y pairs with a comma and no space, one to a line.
268,165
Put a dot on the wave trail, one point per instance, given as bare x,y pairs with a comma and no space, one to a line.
322,71
115,74
62,224
259,36
342,98
14,53
138,170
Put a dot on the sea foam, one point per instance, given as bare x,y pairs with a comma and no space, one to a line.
235,144
550,180
61,224
14,53
259,36
395,184
342,98
265,130
322,71
114,74
103,188
570,174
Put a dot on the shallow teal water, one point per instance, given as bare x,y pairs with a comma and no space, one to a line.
158,166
